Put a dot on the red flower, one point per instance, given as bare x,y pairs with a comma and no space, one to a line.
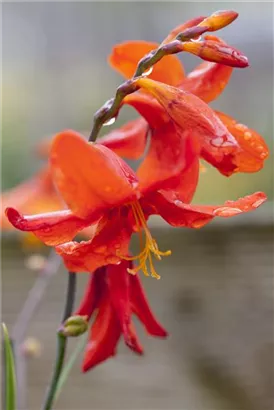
99,187
115,295
245,150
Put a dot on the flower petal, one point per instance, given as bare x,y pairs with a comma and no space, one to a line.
93,293
171,151
207,81
128,141
254,150
177,213
184,186
148,107
52,228
140,307
110,241
125,57
191,113
104,336
36,195
90,177
118,283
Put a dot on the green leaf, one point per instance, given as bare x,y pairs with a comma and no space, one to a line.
10,379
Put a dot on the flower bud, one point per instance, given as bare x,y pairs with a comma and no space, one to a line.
74,326
216,52
219,20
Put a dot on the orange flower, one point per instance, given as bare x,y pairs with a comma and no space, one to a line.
100,188
116,295
247,149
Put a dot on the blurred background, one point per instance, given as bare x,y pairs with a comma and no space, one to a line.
216,292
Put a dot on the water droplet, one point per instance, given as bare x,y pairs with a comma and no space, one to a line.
258,203
247,135
198,223
241,127
226,211
263,155
197,39
148,72
109,122
177,202
259,148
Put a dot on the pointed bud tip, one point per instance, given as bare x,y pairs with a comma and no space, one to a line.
219,19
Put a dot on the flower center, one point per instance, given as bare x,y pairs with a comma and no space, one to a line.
147,244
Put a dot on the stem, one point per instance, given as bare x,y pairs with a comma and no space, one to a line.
20,328
111,108
61,343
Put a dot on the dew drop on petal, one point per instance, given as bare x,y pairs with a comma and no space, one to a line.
148,72
109,122
177,202
226,211
247,135
198,223
258,203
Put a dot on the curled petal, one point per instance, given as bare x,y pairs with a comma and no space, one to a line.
254,150
53,228
191,113
176,213
118,283
140,307
110,242
128,141
125,57
36,195
219,53
104,336
90,177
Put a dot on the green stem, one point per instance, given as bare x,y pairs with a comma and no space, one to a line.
61,343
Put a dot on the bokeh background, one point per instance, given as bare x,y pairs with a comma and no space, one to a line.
215,296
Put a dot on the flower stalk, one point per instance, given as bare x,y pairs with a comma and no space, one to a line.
61,343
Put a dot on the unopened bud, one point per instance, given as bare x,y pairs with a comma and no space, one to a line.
217,53
74,326
219,20
31,347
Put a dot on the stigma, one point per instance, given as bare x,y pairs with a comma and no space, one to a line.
148,245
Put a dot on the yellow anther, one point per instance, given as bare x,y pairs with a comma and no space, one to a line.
147,244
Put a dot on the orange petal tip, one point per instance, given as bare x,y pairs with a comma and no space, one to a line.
219,20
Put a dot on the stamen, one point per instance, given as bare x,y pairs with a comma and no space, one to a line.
149,245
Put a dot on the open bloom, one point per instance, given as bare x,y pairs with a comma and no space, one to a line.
115,295
100,188
38,193
245,151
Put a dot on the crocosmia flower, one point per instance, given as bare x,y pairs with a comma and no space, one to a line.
245,151
115,295
100,188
